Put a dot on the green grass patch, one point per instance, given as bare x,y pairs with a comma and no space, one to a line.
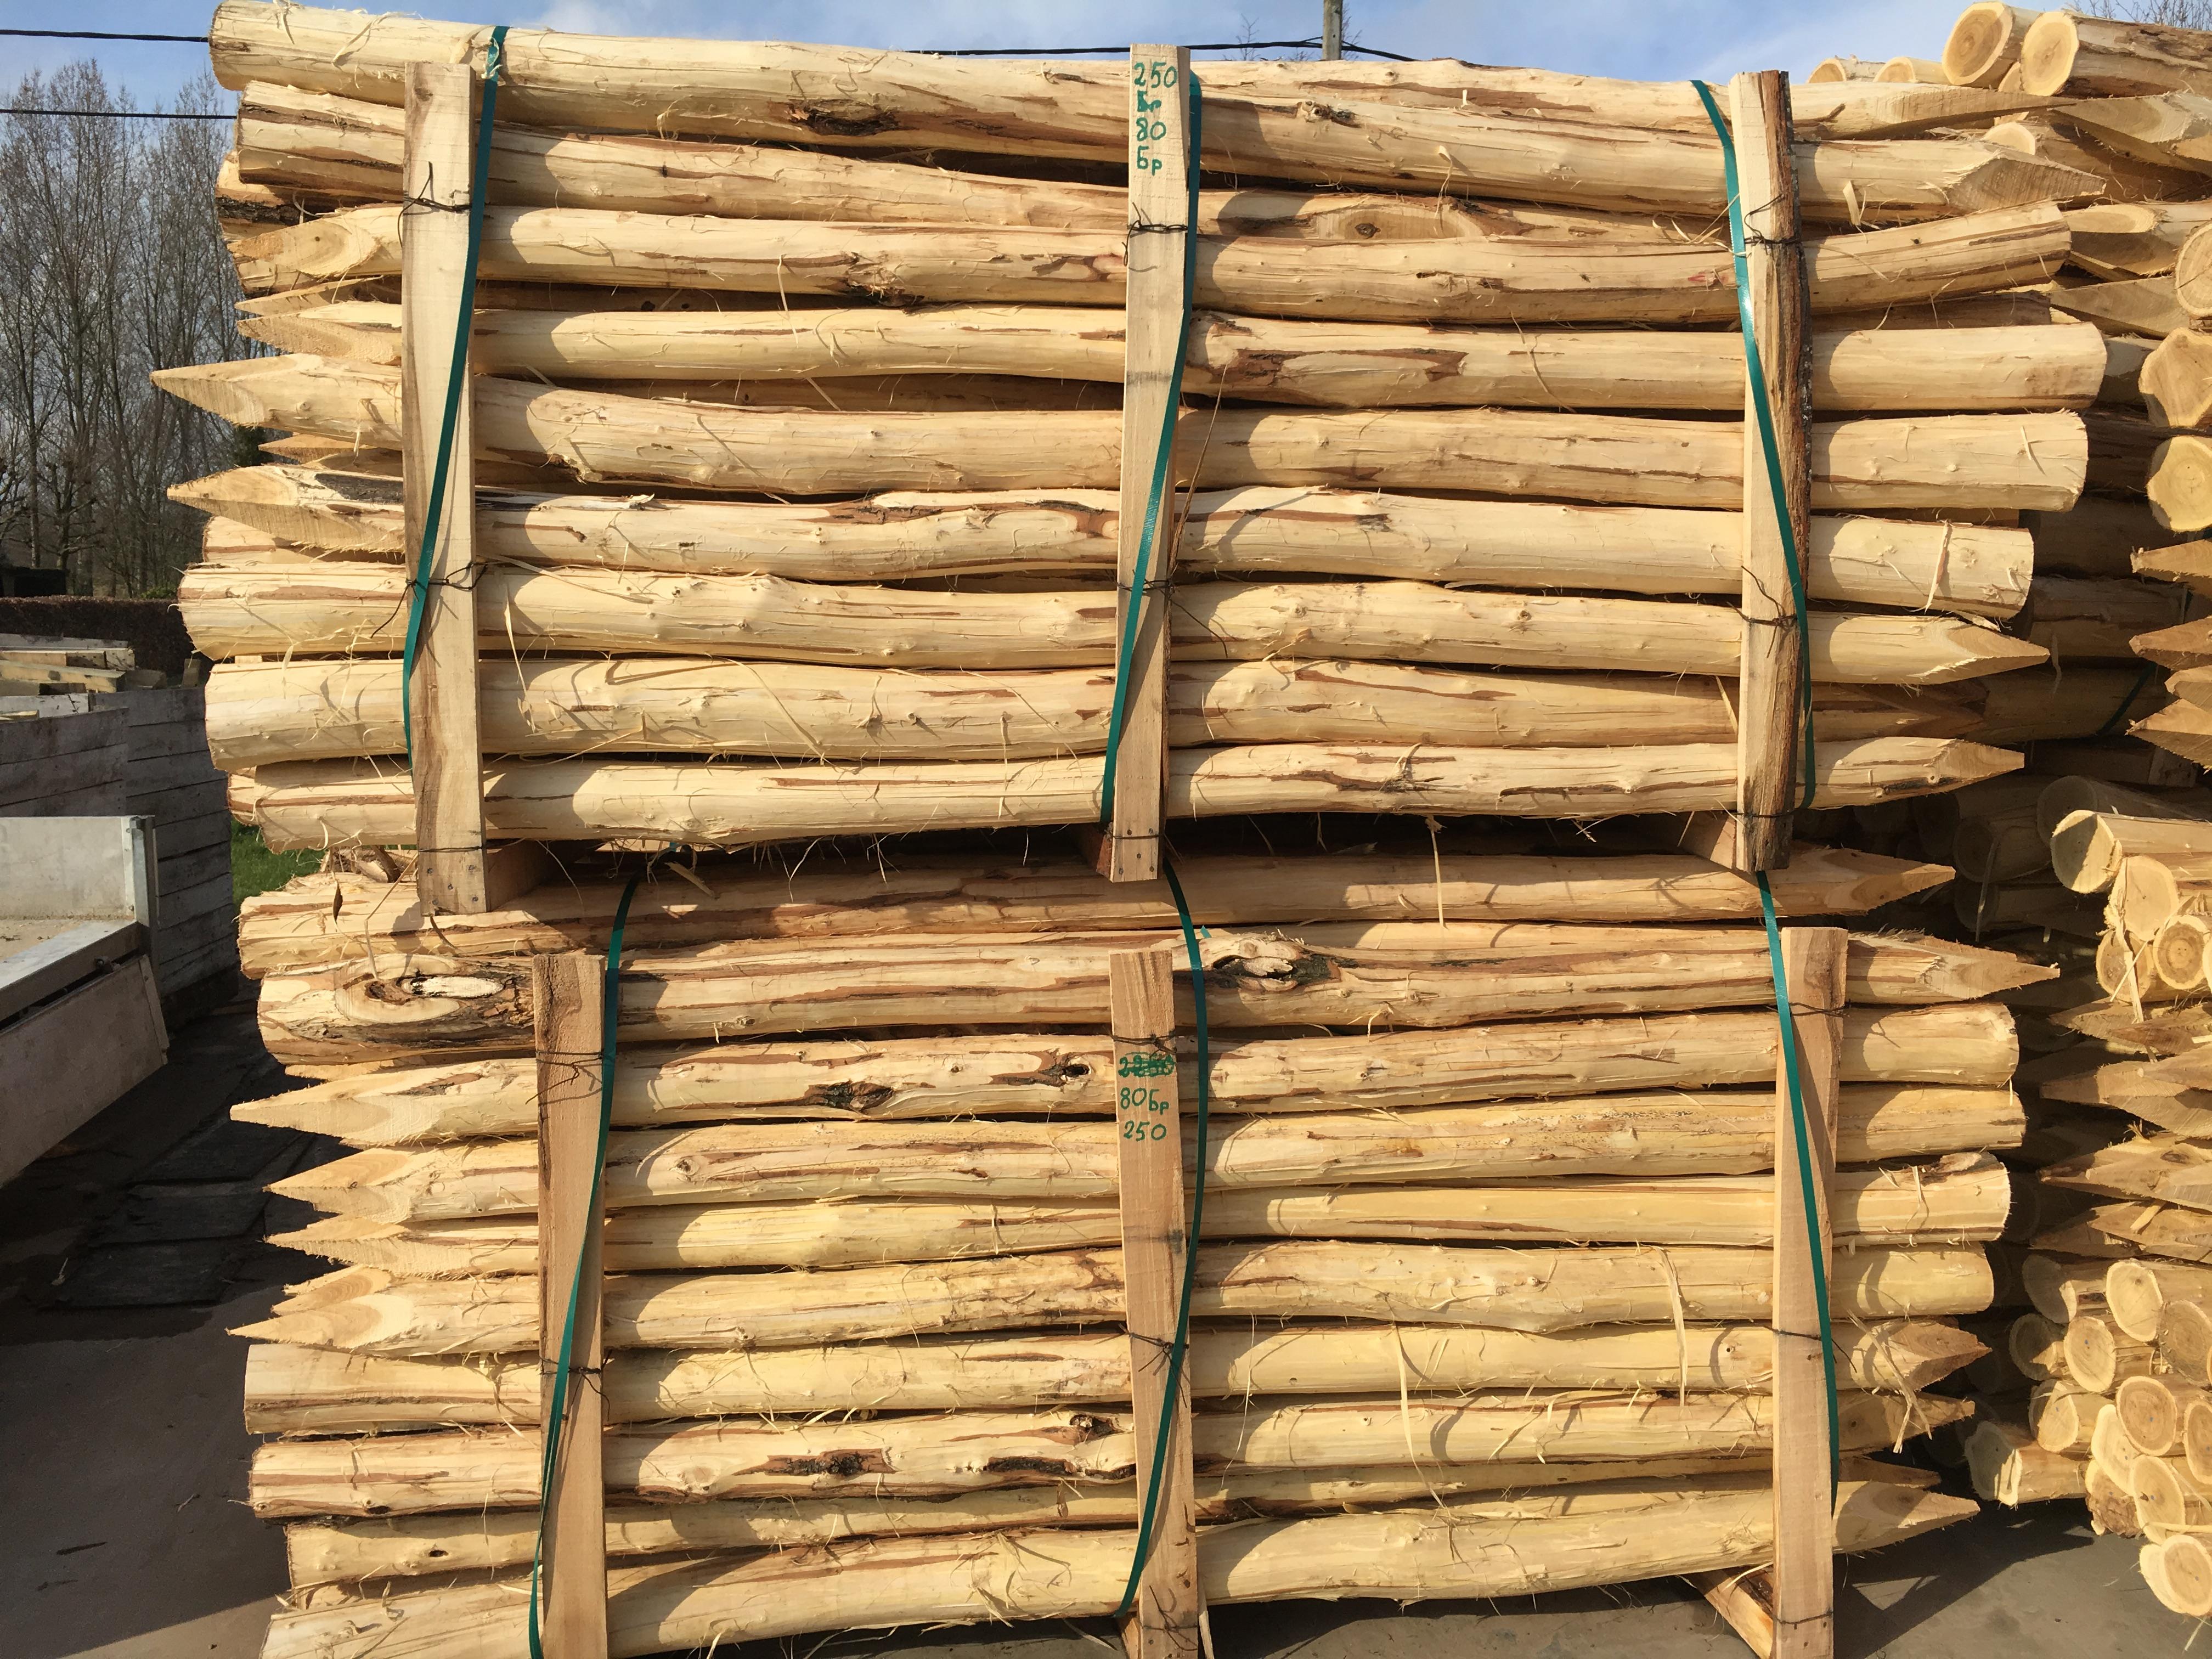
255,869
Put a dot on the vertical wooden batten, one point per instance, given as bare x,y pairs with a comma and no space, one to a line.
1803,1596
1787,1610
1163,1622
570,1016
1159,232
1769,713
456,872
433,253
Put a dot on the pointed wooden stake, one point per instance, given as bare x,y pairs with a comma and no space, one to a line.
1164,1622
570,1014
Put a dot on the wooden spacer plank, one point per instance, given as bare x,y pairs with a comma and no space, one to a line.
1769,713
434,252
1159,207
1163,1624
1746,1600
1716,836
513,869
570,1014
1802,1605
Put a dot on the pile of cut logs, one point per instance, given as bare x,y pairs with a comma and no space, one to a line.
2098,845
793,506
2038,1394
2113,1378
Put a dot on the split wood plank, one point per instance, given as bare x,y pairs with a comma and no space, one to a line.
569,1021
1159,209
1803,1596
1770,714
434,233
1164,1621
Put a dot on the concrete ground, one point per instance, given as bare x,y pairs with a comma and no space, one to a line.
124,1533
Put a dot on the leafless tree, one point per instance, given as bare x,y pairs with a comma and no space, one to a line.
111,266
1248,36
2173,14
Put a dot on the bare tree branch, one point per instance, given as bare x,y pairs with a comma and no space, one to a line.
111,266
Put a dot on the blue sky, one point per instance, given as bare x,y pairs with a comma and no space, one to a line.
1646,40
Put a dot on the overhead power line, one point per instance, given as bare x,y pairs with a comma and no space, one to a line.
1313,41
91,34
125,114
960,51
1377,51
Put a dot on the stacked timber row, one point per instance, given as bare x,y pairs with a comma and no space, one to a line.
2127,103
806,459
797,502
2103,1317
1988,834
2117,99
2132,103
1486,1226
2051,1371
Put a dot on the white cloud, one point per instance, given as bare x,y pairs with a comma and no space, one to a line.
593,17
1657,40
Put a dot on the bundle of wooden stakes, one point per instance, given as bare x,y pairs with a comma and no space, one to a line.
1405,411
2038,1394
861,1260
817,405
2101,844
2118,1285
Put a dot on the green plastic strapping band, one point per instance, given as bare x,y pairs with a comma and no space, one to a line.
1163,465
1149,1516
1155,505
455,383
1791,1070
1762,414
1755,368
2126,703
556,1415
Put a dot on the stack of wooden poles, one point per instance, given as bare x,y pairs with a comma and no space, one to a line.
2129,103
792,507
1408,414
1483,1224
2097,845
2125,1376
2038,1394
